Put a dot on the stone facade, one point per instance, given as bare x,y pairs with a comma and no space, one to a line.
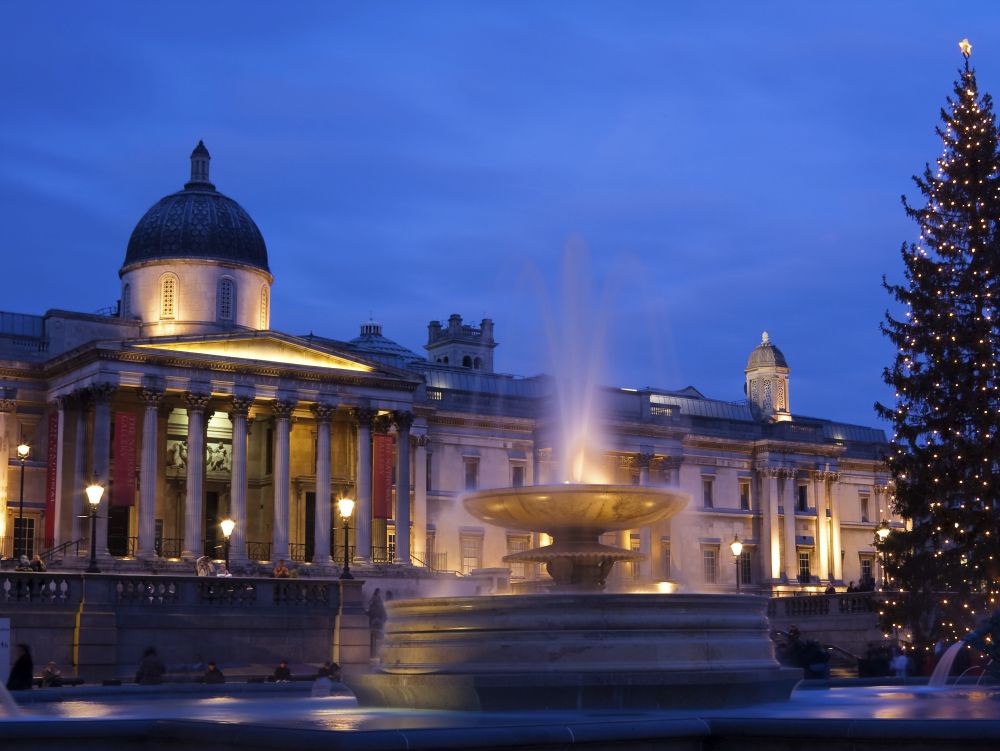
232,419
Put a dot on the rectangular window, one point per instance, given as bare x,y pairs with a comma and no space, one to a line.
269,452
804,569
867,572
710,565
745,495
865,517
746,567
517,476
636,478
803,498
471,474
429,465
707,484
472,553
517,544
665,557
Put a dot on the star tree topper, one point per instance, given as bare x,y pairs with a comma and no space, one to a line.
965,47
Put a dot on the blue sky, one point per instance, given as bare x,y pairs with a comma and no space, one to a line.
728,167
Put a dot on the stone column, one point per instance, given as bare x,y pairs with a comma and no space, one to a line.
238,479
822,528
61,404
403,421
148,463
835,544
646,533
194,546
102,395
363,496
773,530
77,500
321,546
672,466
8,409
282,436
791,552
420,499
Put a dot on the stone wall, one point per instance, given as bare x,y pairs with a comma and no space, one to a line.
97,626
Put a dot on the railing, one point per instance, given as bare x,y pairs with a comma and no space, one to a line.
165,593
820,605
52,552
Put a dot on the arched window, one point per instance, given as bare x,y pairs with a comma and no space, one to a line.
227,299
477,364
168,297
263,307
127,301
466,362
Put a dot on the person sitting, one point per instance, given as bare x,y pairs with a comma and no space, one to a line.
23,564
37,564
222,571
51,676
204,566
281,570
282,672
213,674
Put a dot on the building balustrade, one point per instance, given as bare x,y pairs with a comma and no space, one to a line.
165,593
824,605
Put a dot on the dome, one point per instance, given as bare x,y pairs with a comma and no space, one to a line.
374,345
197,223
766,355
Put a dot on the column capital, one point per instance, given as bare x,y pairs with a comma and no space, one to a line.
103,393
402,420
831,476
196,402
423,441
240,406
323,411
151,398
8,405
363,416
644,460
283,408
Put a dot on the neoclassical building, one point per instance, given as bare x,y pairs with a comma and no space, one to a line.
188,408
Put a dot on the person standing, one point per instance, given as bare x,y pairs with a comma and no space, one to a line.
22,672
151,668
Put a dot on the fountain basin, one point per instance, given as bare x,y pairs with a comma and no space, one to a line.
576,651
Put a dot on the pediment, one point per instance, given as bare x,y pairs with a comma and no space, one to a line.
271,350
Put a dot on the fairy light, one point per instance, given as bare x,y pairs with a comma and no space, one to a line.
946,382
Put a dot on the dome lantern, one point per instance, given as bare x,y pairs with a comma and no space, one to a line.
767,381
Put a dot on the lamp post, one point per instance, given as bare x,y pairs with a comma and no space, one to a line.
882,532
227,530
346,507
737,548
23,452
94,494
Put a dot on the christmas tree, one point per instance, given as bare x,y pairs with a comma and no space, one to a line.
944,456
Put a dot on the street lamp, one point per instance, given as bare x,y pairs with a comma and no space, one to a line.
737,547
346,507
227,529
94,494
23,451
882,532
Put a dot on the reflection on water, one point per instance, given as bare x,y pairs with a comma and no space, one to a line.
341,713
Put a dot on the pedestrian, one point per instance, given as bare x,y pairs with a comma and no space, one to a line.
376,621
151,668
51,676
213,674
282,672
281,570
22,672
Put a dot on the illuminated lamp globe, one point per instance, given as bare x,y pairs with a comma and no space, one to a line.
228,525
346,507
94,494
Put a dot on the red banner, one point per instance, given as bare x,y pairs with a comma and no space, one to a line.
382,476
123,481
50,479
